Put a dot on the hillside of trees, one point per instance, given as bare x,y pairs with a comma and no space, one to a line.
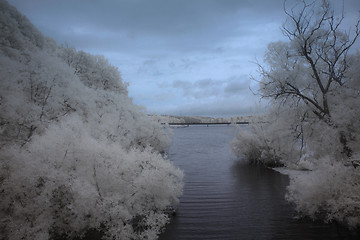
313,122
77,156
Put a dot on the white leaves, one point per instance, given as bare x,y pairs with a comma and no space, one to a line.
76,153
94,71
314,120
332,190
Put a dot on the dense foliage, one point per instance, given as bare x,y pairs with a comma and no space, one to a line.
312,82
76,154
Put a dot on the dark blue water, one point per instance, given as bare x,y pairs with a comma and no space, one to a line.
225,199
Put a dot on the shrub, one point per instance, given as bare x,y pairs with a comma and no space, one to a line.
77,156
329,193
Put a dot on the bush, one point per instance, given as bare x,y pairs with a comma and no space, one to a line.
312,82
77,156
330,193
65,182
267,141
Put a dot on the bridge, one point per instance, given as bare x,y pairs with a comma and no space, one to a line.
207,124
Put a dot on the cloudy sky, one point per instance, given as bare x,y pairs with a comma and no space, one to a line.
181,57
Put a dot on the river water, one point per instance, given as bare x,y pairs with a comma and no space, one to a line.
226,199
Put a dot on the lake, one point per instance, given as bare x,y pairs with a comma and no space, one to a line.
227,199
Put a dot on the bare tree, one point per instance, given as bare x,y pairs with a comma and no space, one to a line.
313,64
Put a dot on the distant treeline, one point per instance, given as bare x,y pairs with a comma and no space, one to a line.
167,119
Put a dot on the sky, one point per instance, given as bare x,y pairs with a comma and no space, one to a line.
180,57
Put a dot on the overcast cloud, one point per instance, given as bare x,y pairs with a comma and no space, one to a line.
181,57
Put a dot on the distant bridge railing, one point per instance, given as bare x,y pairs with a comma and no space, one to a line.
207,124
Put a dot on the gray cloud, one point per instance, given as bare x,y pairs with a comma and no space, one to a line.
184,56
208,88
199,89
132,24
149,67
237,85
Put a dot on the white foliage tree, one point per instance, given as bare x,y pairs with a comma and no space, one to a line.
76,154
312,83
312,69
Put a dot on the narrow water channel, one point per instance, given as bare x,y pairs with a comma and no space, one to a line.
225,199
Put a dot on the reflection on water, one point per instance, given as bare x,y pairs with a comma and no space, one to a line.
224,199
